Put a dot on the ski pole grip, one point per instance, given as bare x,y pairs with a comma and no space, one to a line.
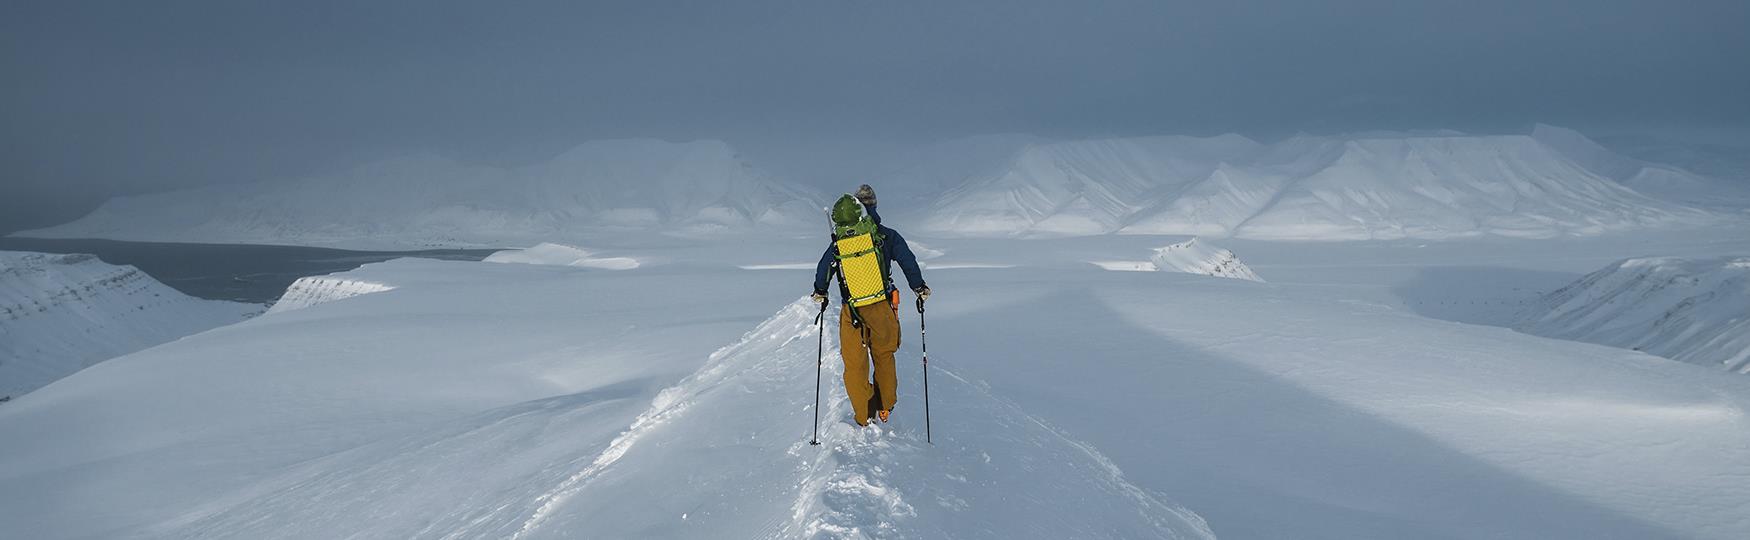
920,305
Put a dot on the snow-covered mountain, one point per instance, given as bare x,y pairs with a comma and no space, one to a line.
62,313
422,201
1079,187
921,175
1369,186
1669,181
1691,310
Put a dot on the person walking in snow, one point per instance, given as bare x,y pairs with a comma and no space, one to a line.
861,255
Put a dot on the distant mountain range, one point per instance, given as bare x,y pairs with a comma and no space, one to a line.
1551,182
1548,183
429,201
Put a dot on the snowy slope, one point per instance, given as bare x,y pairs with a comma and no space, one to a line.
1358,187
1667,180
311,290
533,401
62,313
697,463
419,201
1691,310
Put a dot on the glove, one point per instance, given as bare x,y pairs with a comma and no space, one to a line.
866,195
922,292
818,297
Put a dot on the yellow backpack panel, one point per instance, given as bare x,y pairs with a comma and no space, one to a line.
860,267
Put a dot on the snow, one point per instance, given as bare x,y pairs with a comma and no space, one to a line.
563,411
478,399
642,370
1674,181
563,255
63,313
1189,257
1354,187
922,174
1690,310
1077,187
309,291
693,188
1552,182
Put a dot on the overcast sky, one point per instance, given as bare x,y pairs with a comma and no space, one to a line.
101,98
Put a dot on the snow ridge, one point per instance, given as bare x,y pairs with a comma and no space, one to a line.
879,482
312,290
62,313
1689,310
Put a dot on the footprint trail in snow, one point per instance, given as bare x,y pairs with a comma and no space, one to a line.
725,453
722,454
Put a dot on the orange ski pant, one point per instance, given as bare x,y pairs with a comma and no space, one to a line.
875,344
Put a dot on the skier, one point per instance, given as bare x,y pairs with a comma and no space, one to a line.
861,254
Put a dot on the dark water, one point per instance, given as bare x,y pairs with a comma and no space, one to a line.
243,273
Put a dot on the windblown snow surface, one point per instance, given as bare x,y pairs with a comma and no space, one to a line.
1368,186
62,313
1695,311
532,401
430,201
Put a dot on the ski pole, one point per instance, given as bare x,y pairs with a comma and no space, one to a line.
819,352
923,340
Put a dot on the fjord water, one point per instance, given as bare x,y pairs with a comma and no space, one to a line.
238,272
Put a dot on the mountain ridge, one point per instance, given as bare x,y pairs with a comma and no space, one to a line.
1306,187
423,200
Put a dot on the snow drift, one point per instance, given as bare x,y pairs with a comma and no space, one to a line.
1690,310
562,255
1189,257
1371,186
1193,257
313,290
427,201
62,313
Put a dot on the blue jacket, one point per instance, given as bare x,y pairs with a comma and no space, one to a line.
893,248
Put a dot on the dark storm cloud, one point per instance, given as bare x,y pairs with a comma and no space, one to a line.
102,98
